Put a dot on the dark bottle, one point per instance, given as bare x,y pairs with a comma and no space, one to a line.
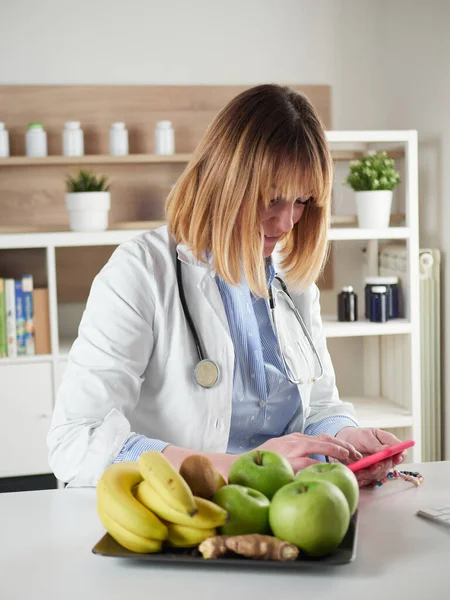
347,304
392,295
379,304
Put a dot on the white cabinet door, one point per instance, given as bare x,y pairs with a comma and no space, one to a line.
26,406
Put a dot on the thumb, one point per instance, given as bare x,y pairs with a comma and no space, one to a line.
375,440
385,438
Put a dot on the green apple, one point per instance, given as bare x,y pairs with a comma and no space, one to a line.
261,470
248,510
338,474
313,515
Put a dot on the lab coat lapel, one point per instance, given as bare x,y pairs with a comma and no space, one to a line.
198,276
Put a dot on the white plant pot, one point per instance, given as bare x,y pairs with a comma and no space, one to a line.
374,208
88,211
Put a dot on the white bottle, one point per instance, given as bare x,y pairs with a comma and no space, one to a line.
72,139
4,141
118,140
164,138
36,140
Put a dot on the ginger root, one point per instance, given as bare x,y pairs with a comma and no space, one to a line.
252,545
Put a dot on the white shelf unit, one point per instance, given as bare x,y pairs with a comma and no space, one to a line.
389,358
30,383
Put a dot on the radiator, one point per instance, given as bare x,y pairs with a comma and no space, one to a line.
393,261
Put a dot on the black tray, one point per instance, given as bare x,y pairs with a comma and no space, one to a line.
344,554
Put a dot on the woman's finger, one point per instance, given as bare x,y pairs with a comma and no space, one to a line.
382,467
386,437
397,459
353,453
315,446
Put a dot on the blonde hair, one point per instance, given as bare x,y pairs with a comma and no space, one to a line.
268,142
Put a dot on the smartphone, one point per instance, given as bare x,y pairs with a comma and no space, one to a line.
372,459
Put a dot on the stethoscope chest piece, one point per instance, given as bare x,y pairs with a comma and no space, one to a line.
206,373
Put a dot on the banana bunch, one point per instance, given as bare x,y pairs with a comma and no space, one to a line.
145,504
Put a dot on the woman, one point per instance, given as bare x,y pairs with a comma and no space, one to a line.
180,350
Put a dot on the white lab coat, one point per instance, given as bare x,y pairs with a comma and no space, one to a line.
131,367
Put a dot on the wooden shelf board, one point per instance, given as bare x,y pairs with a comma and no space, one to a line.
347,155
380,412
336,329
103,159
26,360
356,233
352,220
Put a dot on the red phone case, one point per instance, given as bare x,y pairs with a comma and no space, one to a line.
372,459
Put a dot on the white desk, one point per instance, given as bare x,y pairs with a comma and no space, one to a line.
46,539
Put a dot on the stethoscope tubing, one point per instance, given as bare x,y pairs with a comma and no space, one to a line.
198,345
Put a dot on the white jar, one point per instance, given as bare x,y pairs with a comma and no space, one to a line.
118,140
4,141
164,138
36,140
72,139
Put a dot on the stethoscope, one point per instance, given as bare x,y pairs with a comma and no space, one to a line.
207,372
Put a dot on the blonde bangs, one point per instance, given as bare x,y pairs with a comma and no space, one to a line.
304,174
252,153
291,176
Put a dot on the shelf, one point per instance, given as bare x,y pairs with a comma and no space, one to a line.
371,136
336,329
110,237
355,233
106,159
380,413
93,159
350,221
26,360
347,155
33,237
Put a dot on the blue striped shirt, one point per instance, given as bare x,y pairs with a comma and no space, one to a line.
264,401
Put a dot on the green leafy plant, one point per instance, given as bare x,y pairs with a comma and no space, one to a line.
375,171
86,181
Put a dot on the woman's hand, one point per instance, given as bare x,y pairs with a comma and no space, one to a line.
297,447
368,440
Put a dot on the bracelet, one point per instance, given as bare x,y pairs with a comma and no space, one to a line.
413,476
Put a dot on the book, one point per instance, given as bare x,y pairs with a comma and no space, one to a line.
10,307
41,321
20,318
3,338
27,290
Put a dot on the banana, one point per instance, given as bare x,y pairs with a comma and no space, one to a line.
209,515
182,536
167,482
126,538
115,497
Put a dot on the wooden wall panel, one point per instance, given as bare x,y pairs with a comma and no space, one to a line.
76,268
190,108
33,196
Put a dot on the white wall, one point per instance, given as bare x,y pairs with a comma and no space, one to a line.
409,58
166,41
388,63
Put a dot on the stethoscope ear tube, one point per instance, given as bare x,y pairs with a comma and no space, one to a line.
206,371
187,314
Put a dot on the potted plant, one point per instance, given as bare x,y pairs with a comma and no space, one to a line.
373,178
88,201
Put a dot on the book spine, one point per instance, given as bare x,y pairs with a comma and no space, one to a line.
27,288
3,336
10,303
20,318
